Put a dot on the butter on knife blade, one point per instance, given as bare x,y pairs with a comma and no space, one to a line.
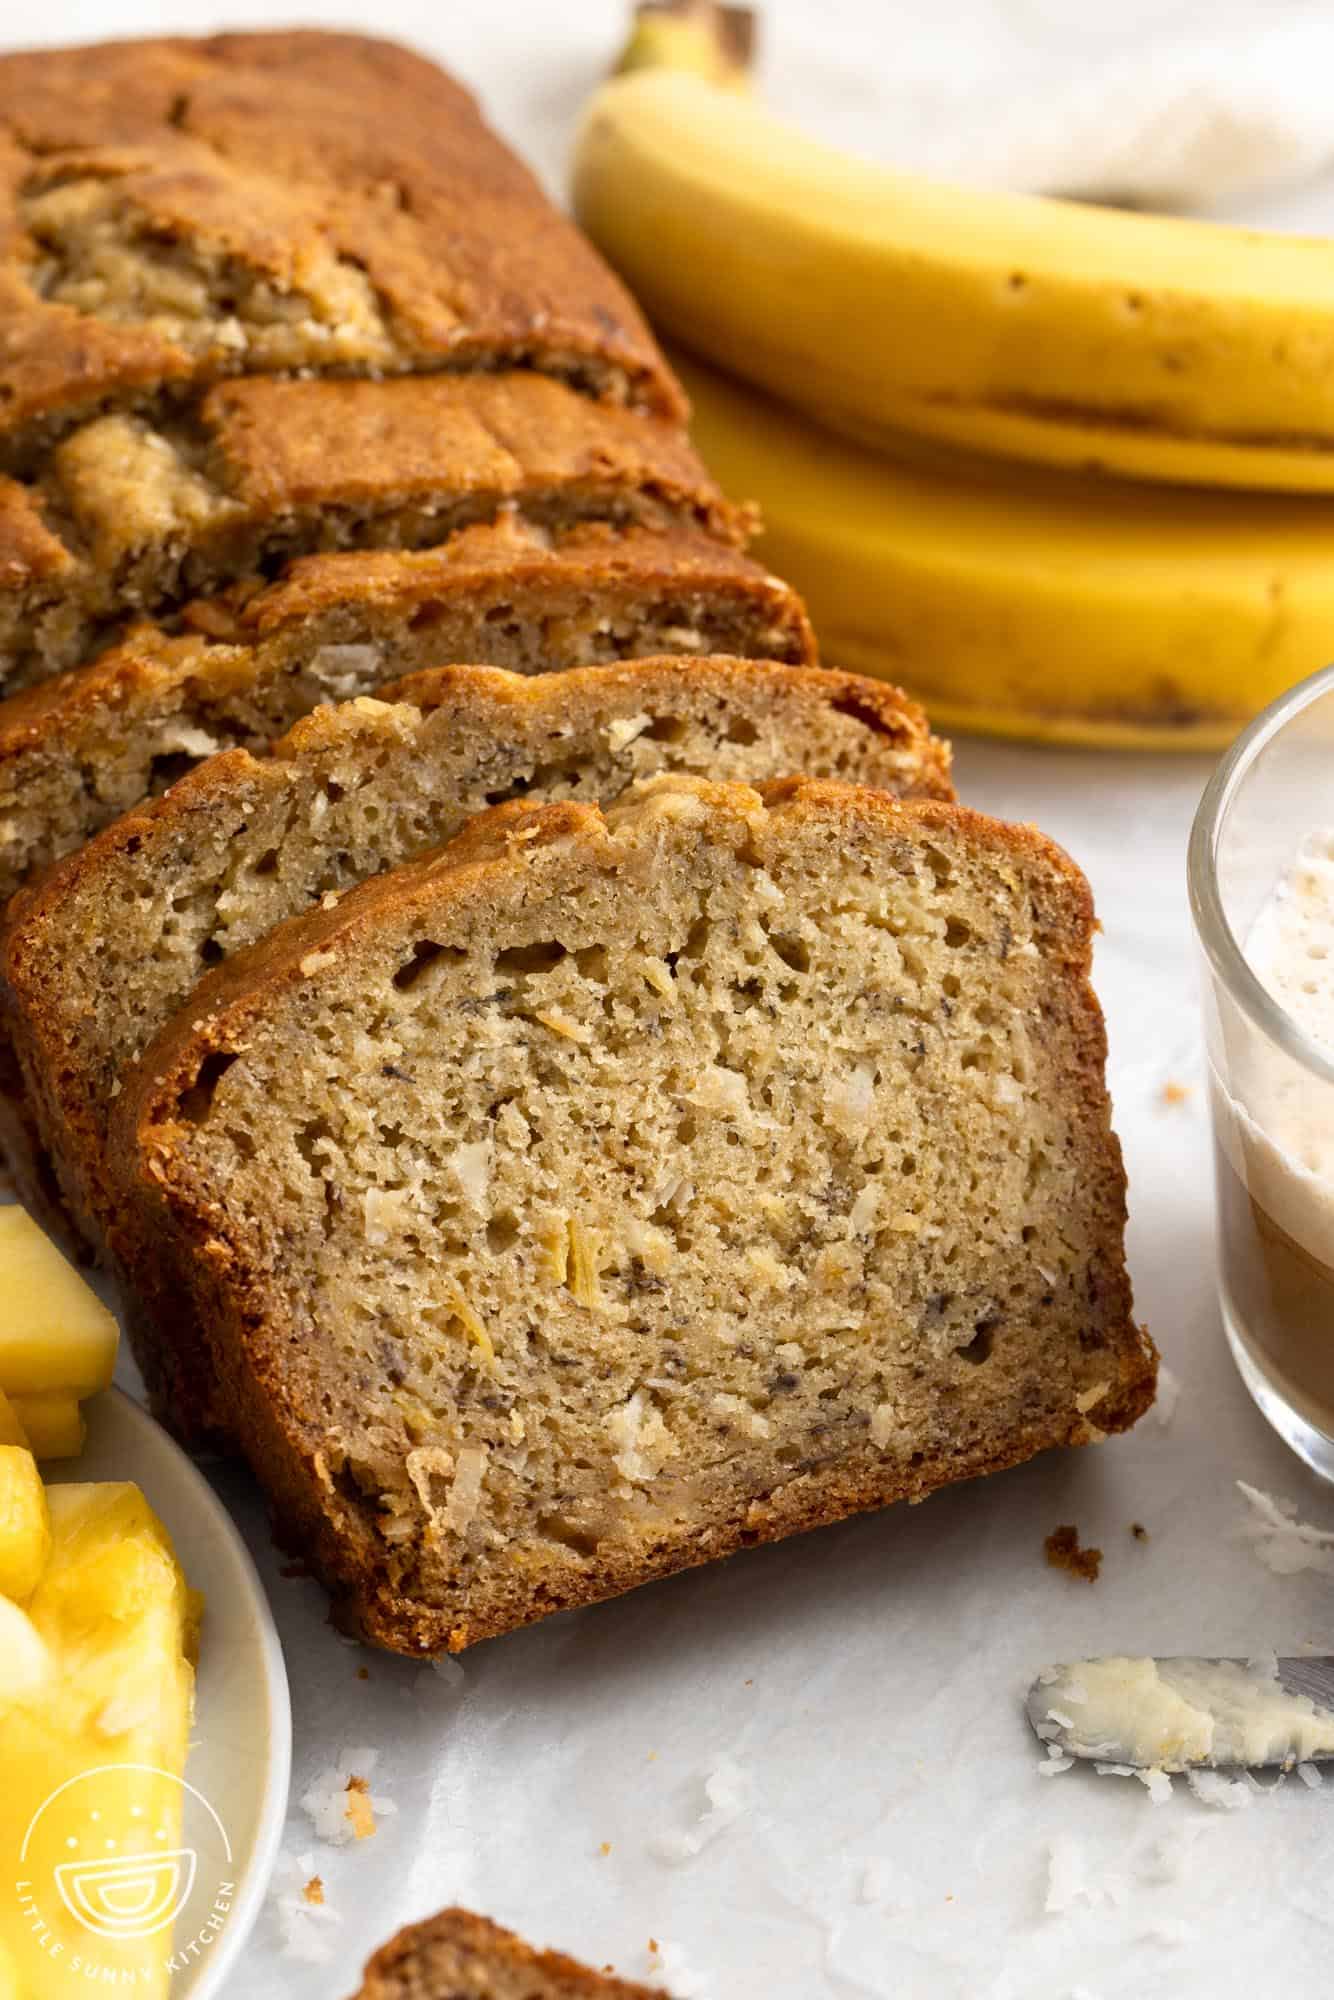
1181,1714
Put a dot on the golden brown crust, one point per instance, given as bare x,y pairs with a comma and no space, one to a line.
283,445
457,1956
266,1407
292,166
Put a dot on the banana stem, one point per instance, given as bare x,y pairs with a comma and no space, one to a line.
710,40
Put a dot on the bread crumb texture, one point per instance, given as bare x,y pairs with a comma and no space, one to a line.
809,1203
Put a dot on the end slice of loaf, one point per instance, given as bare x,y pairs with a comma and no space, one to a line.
459,1956
80,748
100,954
178,210
607,1193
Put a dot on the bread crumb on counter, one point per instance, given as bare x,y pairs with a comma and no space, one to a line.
1173,1093
1064,1551
313,1892
1139,1531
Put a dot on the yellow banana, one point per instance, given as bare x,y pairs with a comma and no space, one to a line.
1026,602
881,303
697,35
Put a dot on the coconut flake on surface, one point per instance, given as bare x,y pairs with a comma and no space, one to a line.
1156,1783
1211,1788
1168,1396
1282,1542
307,1926
1311,1775
1055,1761
340,1804
667,1961
728,1791
1069,1880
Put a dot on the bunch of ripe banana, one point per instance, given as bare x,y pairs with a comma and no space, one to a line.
1064,471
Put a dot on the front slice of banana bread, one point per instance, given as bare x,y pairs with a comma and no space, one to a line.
605,1193
459,1956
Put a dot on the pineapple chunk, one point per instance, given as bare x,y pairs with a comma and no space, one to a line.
25,1525
114,1616
54,1332
52,1423
25,1653
11,1425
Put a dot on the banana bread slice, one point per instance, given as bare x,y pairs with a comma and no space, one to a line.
176,211
458,1956
102,952
133,518
604,1194
80,748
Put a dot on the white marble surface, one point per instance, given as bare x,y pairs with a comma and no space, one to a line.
867,1679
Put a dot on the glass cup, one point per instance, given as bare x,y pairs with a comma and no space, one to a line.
1266,823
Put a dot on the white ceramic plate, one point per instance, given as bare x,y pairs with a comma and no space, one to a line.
240,1754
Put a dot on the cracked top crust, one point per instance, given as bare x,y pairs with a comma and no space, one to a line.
173,211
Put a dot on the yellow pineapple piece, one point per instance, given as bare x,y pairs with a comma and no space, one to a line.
11,1425
52,1422
54,1332
27,1657
109,1724
25,1526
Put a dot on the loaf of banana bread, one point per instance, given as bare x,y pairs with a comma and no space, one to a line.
603,1194
457,1956
177,211
98,955
81,747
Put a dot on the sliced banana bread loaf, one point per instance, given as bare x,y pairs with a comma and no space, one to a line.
131,517
604,1194
457,1956
102,952
80,748
175,211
